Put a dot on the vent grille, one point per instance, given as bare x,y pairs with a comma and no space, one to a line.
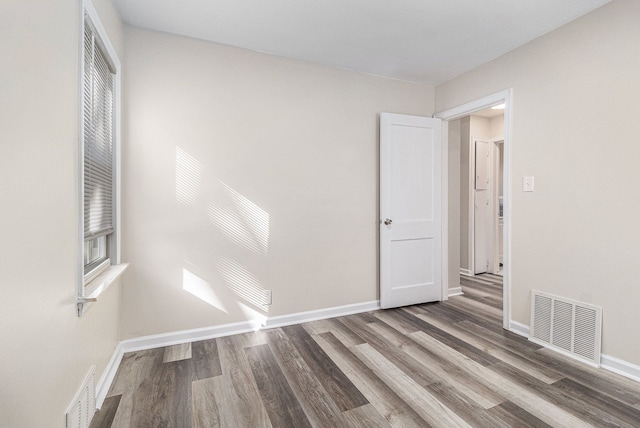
83,406
571,327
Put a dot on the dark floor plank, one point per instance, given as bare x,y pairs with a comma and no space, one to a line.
449,340
136,369
484,298
164,399
236,390
103,418
405,362
397,412
365,417
463,407
314,399
516,416
339,387
206,361
523,363
415,395
608,383
627,415
443,369
281,403
560,396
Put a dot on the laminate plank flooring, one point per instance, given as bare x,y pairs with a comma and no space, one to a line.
447,364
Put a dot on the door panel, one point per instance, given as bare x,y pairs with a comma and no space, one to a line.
410,197
482,165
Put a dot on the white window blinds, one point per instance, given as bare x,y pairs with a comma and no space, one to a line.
98,139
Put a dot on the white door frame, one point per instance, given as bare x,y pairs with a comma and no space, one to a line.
495,191
456,113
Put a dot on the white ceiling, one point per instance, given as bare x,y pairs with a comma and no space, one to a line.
425,41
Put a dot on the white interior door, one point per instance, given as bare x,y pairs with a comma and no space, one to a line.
410,210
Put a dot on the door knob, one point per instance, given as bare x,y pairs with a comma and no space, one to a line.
388,221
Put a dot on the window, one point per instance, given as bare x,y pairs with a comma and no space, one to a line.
99,89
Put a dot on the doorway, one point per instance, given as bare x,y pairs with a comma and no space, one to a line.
460,112
485,197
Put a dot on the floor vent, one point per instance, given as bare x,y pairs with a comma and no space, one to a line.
571,327
83,406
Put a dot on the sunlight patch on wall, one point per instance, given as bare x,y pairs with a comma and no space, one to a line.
255,318
233,228
188,177
200,288
243,283
243,222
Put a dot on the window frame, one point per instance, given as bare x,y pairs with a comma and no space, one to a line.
88,287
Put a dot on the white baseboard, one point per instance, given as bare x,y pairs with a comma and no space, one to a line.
607,362
620,367
456,291
320,314
109,373
177,337
465,272
519,328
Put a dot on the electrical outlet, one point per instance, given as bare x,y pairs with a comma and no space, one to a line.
527,184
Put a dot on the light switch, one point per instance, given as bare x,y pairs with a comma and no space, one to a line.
527,184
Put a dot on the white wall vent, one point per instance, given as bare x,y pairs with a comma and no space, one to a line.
83,406
570,327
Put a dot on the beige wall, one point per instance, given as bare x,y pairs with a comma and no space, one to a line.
575,118
46,349
496,126
243,172
479,127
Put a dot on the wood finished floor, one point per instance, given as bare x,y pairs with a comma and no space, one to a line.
446,364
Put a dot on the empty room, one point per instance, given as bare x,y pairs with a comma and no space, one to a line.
328,214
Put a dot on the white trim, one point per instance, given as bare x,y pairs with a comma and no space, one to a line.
465,272
456,291
505,96
184,336
108,375
519,328
561,351
99,285
621,367
470,107
444,210
496,147
320,314
97,271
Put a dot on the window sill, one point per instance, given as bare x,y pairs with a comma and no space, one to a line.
98,285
